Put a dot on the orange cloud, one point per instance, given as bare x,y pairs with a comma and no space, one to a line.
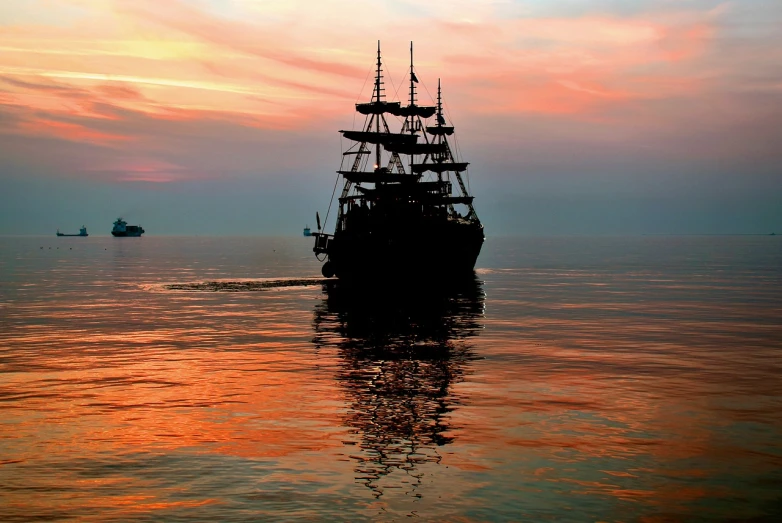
69,131
141,65
119,91
559,65
230,33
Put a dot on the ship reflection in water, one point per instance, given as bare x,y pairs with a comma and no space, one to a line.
399,355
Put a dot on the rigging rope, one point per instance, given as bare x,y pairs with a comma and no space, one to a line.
360,93
364,84
390,79
426,89
396,91
333,192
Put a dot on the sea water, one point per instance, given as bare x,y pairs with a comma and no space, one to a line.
571,379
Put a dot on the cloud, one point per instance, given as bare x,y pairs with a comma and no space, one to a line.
231,33
164,80
67,131
131,169
119,91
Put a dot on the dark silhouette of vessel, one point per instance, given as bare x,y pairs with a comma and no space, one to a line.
82,232
397,213
122,229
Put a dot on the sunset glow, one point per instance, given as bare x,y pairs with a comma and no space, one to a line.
162,82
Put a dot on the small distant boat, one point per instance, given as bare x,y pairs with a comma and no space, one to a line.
307,231
82,232
121,228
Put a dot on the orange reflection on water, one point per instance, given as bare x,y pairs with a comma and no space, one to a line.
455,407
649,386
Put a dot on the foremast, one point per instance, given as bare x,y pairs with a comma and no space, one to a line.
375,132
446,161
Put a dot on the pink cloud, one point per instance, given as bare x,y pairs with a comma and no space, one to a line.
576,66
68,131
685,42
144,170
148,77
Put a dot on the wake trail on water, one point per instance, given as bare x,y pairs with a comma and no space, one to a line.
243,285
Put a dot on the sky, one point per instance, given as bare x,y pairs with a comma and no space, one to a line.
222,116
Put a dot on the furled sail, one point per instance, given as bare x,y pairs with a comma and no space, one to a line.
385,139
440,130
440,167
383,176
424,111
378,107
415,148
396,108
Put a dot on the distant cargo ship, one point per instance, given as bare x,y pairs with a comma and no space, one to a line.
121,228
82,232
307,231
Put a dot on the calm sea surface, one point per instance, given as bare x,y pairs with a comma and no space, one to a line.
573,379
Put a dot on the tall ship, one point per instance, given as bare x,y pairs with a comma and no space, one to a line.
82,232
398,213
121,228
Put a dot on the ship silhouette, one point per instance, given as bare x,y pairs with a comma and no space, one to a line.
121,229
397,213
82,232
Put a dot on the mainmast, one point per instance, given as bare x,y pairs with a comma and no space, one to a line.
440,121
378,89
413,79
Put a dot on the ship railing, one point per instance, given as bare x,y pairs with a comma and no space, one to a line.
322,242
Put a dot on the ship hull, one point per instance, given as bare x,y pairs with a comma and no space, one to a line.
409,253
82,235
126,234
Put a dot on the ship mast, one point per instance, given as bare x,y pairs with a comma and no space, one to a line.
413,79
377,100
440,118
447,155
440,121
